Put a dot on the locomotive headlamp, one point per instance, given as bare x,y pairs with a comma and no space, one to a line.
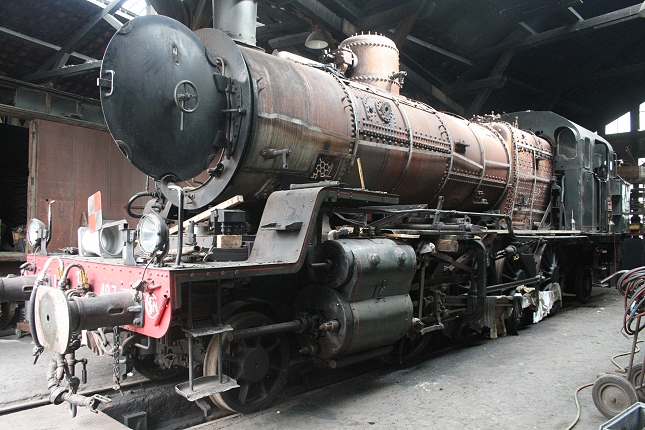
153,233
36,231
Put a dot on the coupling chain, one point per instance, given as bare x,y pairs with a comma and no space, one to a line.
115,355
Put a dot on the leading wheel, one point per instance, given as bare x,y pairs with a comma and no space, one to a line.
612,394
258,364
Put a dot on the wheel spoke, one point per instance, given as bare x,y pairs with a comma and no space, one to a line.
263,389
272,346
238,373
235,360
257,342
244,393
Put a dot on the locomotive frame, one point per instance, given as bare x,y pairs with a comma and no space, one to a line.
495,219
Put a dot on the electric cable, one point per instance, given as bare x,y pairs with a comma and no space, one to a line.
632,286
621,368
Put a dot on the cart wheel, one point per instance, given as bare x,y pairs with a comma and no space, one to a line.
612,394
635,379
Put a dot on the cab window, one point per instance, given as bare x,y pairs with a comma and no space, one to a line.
567,143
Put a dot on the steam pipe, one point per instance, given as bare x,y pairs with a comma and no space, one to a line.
63,279
180,222
58,394
137,196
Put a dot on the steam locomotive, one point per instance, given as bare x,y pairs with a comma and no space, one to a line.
327,217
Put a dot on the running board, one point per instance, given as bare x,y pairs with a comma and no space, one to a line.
205,386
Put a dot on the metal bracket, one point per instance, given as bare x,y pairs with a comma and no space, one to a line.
129,236
293,226
461,146
270,154
479,198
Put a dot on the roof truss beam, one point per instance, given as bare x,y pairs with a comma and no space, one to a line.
483,94
391,17
289,41
60,58
347,9
65,71
601,21
433,91
406,24
438,50
491,82
22,38
273,31
333,21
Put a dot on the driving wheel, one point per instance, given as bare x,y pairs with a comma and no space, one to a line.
258,364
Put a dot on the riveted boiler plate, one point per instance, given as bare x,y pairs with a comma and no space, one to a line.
153,67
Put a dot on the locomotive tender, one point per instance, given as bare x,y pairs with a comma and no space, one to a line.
370,221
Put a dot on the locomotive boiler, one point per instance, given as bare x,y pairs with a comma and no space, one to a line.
369,221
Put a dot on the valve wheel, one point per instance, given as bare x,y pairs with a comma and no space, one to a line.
184,99
258,364
612,394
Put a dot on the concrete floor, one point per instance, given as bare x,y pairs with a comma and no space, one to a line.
21,380
516,382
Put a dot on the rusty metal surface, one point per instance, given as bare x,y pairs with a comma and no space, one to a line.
378,61
528,196
72,163
300,109
309,124
405,147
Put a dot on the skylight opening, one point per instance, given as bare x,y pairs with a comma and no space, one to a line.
130,9
137,7
622,124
